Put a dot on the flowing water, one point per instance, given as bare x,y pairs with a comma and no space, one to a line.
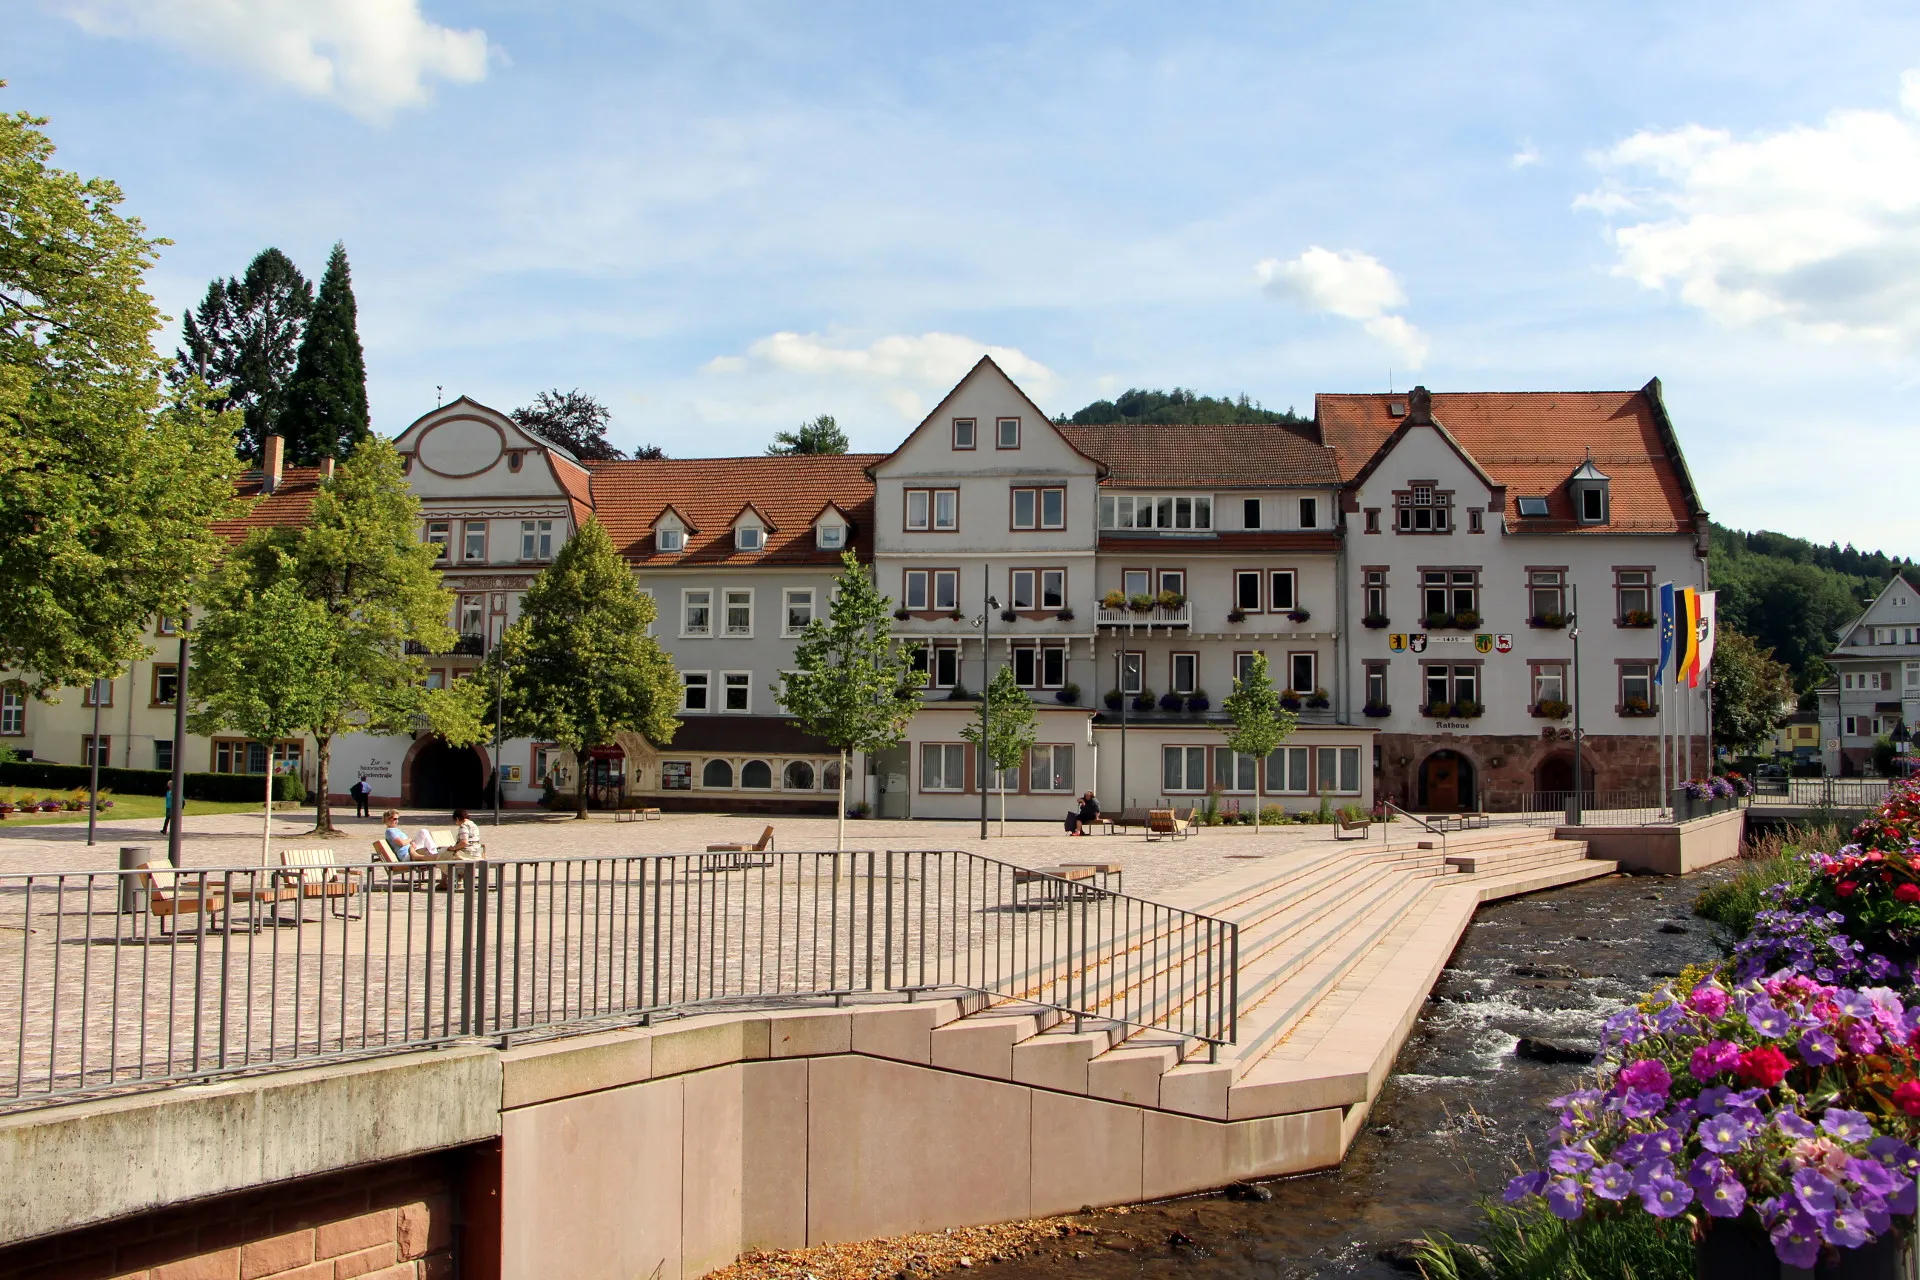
1457,1113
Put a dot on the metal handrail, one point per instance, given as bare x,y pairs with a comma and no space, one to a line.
109,982
1390,807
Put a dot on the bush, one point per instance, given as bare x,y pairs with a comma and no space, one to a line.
1068,695
291,789
1772,859
146,782
1274,816
1529,1243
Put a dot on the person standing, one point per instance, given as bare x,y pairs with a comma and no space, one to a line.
362,796
166,811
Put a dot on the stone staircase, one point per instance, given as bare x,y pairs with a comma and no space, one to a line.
1338,950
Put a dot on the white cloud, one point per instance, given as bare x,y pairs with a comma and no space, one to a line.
1814,228
1526,155
929,358
372,57
1354,285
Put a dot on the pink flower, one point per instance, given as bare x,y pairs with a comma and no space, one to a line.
1907,891
1907,1097
1709,1000
1647,1075
1713,1058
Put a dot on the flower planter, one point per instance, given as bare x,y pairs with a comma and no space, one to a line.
1548,621
1374,621
1735,1249
1298,615
1378,710
1008,615
1236,616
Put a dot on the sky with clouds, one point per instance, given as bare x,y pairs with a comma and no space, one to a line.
726,218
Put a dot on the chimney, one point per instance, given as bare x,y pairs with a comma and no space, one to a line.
326,467
270,463
1420,406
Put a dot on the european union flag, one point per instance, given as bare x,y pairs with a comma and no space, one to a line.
1666,633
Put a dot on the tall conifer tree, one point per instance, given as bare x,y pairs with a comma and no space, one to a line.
326,413
243,341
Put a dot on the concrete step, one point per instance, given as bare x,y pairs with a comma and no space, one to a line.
1511,884
1532,855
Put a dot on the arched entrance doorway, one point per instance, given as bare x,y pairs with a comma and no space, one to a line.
605,777
444,776
1446,783
1553,781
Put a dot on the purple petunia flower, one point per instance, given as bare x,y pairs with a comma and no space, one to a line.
1848,1126
1570,1160
1855,1004
1724,1133
1724,1197
1638,1105
1631,1149
1566,1199
1846,1228
1612,1181
1711,1100
1793,1125
1527,1184
1667,1019
1662,1194
1817,1048
1796,1238
1767,1019
1815,1192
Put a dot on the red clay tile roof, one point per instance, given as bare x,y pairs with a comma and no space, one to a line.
1531,442
286,505
630,494
1258,455
575,482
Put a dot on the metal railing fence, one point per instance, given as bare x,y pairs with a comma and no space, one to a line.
1598,808
265,968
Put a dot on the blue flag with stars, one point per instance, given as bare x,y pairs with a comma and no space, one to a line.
1666,633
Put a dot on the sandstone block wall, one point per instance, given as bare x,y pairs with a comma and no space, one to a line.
396,1221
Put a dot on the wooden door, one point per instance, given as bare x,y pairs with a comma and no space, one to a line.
1443,784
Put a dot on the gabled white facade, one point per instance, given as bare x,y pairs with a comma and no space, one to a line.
1876,684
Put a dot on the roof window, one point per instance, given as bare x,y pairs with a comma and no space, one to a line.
1396,408
1533,506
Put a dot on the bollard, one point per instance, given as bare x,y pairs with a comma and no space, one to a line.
133,893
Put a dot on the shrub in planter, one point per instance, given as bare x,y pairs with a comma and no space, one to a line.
1008,615
1171,702
1318,700
1439,710
1273,816
1170,600
1144,700
1374,621
1548,621
902,614
1113,699
1065,615
1068,695
1114,600
1377,710
1142,603
1290,699
1236,615
1467,709
1637,618
1298,615
956,616
1552,709
1467,619
1198,701
958,693
1635,707
1438,621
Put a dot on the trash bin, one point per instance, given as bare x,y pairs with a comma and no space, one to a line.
133,893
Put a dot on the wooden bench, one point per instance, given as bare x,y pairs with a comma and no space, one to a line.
1117,823
315,874
1164,824
1065,882
635,813
738,857
172,893
414,873
1342,826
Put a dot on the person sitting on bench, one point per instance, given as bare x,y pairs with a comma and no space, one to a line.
1088,814
396,838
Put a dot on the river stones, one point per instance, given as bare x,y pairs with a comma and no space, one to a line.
1544,1049
1553,971
1249,1191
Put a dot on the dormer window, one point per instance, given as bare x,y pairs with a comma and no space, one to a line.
1588,486
672,538
749,537
831,537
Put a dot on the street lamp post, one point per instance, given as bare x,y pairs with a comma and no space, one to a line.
180,751
988,605
1579,741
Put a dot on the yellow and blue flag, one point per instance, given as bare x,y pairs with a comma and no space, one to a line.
1666,633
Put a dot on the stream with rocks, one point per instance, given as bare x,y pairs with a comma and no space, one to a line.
1461,1107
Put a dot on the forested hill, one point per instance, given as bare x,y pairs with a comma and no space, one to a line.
1177,405
1791,595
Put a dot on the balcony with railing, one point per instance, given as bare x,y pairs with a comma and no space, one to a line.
464,646
1156,616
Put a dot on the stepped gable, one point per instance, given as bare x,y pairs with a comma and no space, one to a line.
288,504
1260,455
1531,442
630,495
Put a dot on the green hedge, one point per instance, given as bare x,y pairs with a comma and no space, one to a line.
146,782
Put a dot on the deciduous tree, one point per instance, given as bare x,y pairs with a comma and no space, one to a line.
577,422
1010,731
1260,723
1752,692
359,558
581,667
326,409
852,683
822,435
106,490
262,662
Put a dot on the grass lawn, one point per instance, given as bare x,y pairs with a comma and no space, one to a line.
135,808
